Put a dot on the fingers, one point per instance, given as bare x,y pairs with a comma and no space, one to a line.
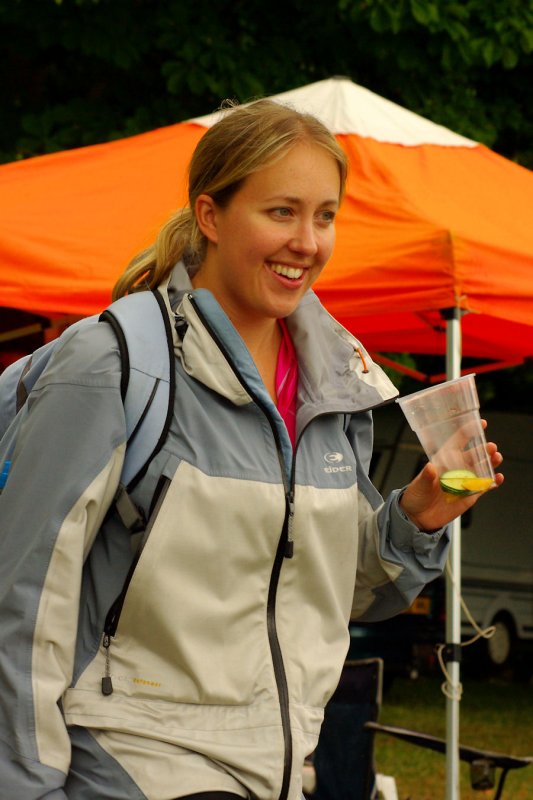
495,456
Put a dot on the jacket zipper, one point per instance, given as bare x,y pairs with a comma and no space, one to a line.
284,550
113,615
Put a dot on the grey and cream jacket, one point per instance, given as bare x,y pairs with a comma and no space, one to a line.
234,627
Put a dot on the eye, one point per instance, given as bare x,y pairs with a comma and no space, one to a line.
282,211
327,216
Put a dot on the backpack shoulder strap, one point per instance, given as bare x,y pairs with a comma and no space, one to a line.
142,326
141,322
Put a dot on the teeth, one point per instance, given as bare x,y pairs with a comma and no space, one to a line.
287,272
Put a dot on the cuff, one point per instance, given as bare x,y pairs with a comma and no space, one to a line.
403,529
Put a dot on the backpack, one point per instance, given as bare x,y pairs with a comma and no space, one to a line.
142,326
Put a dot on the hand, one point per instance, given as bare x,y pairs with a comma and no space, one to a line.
429,507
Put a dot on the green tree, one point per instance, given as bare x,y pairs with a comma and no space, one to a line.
76,72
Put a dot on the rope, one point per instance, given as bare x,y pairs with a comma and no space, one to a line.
451,691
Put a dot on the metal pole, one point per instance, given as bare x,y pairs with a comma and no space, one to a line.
453,588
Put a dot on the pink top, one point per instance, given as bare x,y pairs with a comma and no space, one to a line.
286,381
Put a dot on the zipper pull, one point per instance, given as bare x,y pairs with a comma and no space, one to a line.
107,683
128,512
289,544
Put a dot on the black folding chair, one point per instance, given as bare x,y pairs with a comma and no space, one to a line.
483,763
343,761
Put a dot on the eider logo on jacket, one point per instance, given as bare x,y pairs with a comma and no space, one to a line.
334,459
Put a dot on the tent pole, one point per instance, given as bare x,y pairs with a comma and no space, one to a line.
453,588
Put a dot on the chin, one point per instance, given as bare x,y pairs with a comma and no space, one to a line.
285,311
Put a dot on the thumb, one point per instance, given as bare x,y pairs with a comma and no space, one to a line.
419,493
427,476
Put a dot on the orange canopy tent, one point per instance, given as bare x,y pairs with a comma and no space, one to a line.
431,222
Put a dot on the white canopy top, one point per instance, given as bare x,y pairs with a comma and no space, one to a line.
345,107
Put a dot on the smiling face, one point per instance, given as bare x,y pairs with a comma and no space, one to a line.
269,244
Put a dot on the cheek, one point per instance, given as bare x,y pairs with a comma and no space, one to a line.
250,235
327,245
267,241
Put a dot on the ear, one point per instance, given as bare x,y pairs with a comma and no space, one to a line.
205,210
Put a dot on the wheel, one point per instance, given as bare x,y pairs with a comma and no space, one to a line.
500,647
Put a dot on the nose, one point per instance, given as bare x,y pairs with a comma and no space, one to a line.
304,239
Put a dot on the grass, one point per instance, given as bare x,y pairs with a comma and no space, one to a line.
493,716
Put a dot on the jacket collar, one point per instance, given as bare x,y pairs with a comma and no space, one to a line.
336,373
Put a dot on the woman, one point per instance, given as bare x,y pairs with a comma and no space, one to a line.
268,534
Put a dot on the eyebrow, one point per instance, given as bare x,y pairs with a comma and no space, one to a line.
297,200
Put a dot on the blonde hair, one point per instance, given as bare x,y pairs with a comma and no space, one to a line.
246,139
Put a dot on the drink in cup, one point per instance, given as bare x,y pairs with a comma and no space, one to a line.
446,420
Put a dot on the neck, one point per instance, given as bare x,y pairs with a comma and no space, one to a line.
261,335
260,339
263,343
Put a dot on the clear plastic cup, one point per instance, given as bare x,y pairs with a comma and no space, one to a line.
446,420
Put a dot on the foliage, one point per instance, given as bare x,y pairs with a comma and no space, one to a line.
76,72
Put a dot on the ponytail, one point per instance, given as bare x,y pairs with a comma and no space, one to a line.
179,238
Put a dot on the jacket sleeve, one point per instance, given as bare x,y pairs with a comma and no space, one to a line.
65,470
396,560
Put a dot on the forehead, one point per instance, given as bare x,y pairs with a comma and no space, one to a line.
307,172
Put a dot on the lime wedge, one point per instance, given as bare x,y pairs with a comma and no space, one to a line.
453,481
